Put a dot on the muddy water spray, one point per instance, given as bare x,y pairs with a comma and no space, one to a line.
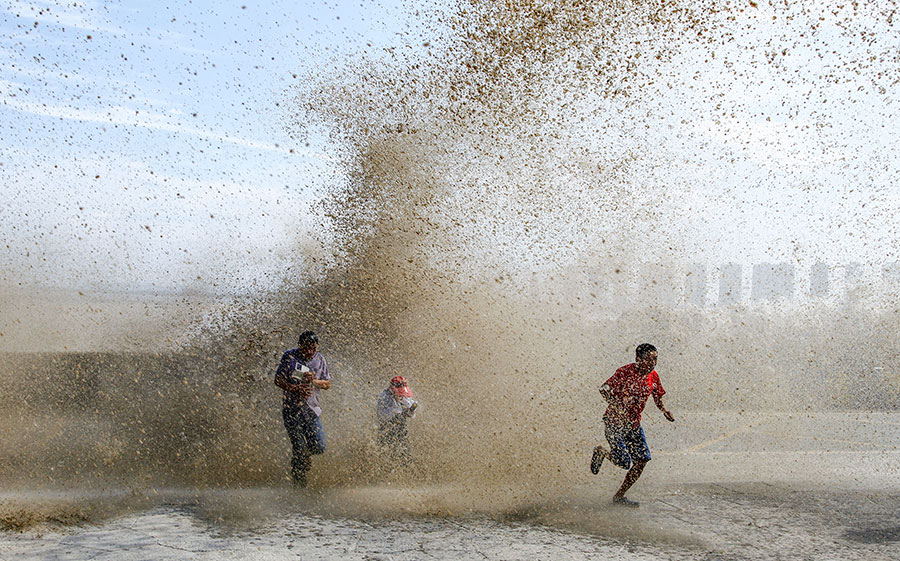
496,202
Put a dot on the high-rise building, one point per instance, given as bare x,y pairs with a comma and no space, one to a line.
819,280
731,284
695,285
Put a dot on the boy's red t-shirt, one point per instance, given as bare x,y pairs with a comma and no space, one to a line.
630,391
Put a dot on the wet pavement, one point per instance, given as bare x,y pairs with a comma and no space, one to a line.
722,486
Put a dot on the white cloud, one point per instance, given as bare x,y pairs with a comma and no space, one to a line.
119,115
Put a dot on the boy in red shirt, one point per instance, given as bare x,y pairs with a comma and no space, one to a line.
627,391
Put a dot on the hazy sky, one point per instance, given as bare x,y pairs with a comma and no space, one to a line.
145,146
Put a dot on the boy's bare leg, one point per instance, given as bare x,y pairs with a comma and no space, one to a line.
630,478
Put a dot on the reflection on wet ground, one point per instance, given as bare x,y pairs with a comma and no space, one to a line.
749,521
874,535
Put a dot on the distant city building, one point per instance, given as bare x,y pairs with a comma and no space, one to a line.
890,276
772,281
695,286
616,287
853,273
819,280
731,284
854,280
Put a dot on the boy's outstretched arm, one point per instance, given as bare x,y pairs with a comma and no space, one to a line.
662,407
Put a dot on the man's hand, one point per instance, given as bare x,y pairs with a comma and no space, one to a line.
306,379
668,415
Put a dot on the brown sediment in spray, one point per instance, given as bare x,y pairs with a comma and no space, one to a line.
478,234
451,162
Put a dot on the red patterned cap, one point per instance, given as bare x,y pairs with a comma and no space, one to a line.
399,387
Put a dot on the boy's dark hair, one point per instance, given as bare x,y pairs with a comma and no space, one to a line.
644,349
307,338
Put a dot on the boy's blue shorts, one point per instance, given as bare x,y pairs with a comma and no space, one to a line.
626,445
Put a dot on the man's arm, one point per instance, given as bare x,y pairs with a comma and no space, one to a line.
324,382
662,407
321,384
606,390
283,382
615,402
606,393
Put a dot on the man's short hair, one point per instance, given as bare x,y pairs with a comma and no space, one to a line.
307,338
644,349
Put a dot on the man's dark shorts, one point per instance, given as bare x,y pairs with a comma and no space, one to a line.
626,445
